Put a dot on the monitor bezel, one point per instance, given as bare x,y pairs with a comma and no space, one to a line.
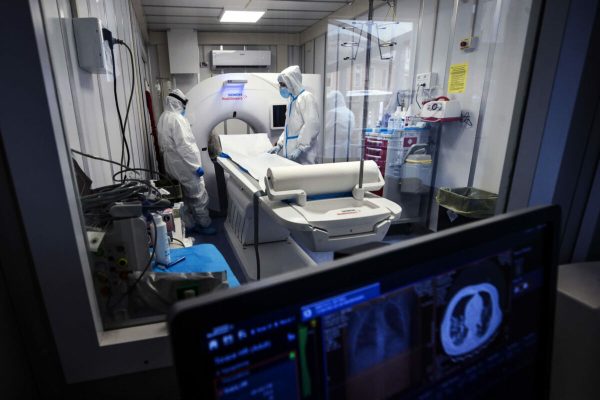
272,115
188,318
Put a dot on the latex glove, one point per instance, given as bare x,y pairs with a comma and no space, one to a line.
274,149
295,154
200,171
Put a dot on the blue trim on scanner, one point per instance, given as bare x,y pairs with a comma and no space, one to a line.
328,196
323,197
227,156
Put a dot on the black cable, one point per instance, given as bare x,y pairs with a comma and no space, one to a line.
417,96
178,241
132,85
126,189
124,144
96,157
146,184
96,205
123,166
139,278
161,175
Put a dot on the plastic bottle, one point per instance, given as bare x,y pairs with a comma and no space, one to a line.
392,124
397,120
409,116
162,250
386,120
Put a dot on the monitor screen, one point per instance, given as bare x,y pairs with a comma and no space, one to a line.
278,116
469,323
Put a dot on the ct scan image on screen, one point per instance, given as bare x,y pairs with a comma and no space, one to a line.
447,336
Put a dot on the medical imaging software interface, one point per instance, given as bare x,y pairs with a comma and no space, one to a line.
469,331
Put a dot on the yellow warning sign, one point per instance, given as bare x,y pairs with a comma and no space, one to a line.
457,79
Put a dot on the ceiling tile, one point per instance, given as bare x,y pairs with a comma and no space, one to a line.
316,5
174,11
225,28
176,20
280,16
291,14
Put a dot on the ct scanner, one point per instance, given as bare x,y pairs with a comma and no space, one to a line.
247,97
293,207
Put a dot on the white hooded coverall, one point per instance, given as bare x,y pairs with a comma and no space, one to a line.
182,160
339,123
302,123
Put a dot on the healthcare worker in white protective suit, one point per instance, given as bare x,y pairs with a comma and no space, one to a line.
298,142
182,162
344,141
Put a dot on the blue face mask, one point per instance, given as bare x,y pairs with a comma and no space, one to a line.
284,92
183,112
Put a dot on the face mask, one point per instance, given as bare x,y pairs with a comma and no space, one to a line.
284,92
183,112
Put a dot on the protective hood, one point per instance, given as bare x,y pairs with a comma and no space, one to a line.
174,104
335,99
292,77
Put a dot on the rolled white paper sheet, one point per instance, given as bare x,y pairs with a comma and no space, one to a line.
322,178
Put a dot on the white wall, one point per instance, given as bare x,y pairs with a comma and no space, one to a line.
279,44
502,94
86,100
283,47
309,57
284,50
490,93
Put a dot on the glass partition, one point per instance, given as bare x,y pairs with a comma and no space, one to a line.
424,91
432,106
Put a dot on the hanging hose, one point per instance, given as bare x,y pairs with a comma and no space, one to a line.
366,97
255,199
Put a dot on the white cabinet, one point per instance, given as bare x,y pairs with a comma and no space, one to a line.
184,54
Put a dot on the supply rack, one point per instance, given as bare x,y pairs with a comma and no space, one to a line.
411,185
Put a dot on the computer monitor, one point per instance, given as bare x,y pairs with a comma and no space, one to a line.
278,116
463,313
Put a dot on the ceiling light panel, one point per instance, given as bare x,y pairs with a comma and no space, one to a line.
248,17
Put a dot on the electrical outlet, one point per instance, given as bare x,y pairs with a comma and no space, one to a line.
468,44
426,80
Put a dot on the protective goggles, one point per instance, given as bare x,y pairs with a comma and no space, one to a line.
182,100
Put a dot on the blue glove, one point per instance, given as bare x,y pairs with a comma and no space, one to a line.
200,171
295,154
274,149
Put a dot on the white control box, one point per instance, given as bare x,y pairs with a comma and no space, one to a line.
426,80
441,111
92,50
184,57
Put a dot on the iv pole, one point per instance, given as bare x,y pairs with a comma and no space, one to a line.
366,95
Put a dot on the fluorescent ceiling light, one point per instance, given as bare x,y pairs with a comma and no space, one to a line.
241,16
372,92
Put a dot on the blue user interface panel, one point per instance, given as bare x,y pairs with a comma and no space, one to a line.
470,329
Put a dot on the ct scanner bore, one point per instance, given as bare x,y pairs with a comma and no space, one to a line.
243,96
